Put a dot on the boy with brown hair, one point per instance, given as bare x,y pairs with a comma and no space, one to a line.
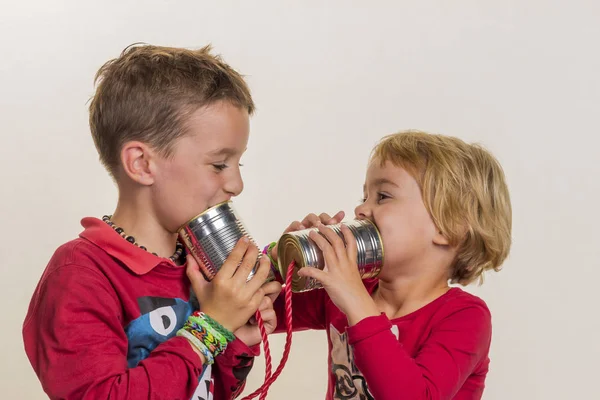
111,317
443,210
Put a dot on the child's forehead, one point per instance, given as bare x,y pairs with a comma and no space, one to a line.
220,129
386,173
378,168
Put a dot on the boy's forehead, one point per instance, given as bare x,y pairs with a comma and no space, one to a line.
220,129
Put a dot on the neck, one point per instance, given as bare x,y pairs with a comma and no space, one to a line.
402,295
136,217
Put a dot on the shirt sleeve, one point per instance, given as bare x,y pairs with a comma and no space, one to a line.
232,368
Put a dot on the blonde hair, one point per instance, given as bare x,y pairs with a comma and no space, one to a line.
464,189
148,92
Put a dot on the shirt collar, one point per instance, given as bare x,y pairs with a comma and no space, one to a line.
137,260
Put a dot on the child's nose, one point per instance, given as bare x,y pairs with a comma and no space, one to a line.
234,185
363,211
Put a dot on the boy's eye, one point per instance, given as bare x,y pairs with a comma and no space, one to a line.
221,167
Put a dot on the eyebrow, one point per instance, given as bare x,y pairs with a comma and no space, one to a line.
226,151
381,181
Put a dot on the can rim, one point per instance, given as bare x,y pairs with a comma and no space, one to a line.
380,241
209,209
295,241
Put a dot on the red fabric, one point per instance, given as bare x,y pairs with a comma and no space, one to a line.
437,352
102,322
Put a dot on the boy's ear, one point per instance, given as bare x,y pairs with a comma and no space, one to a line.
136,160
439,239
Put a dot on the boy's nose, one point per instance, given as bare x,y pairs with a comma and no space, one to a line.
235,185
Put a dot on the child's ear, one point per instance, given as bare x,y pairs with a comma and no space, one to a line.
136,160
440,239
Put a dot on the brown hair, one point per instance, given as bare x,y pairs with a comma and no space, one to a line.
464,189
147,93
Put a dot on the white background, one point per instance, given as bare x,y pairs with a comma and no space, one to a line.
329,79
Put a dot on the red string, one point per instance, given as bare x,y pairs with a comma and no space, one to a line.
269,379
267,350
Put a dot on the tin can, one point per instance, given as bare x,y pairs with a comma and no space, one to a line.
211,236
298,247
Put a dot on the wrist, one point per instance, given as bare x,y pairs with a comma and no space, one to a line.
217,320
248,334
207,336
195,349
362,309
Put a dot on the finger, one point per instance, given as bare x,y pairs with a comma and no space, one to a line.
328,251
315,273
336,241
268,315
247,265
336,219
272,290
310,220
295,226
236,256
197,280
260,276
265,303
324,218
256,299
272,287
351,247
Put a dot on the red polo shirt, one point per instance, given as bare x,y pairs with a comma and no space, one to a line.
102,323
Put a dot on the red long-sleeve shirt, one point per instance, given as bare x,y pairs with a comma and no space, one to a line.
437,352
102,323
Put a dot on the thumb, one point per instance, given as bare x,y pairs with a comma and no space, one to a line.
195,276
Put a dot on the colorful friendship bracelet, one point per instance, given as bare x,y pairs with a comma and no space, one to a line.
210,338
227,334
207,335
208,356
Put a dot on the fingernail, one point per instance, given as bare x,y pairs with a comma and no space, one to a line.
245,239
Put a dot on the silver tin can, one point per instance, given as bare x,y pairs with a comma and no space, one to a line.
211,236
298,247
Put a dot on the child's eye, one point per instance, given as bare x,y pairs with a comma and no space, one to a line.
382,196
220,167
